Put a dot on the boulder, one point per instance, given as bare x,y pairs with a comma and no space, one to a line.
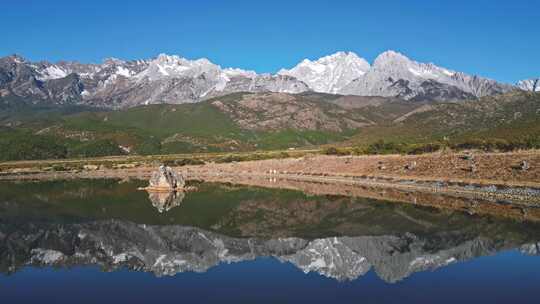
524,165
410,166
90,167
166,179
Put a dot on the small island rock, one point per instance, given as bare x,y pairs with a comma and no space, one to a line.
166,179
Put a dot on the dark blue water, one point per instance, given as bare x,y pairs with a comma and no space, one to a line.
104,242
508,277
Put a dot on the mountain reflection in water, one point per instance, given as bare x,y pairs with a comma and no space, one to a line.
111,224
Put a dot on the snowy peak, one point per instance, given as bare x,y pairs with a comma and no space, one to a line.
113,61
339,57
53,72
15,58
389,57
164,66
174,79
394,62
235,72
331,73
532,85
395,75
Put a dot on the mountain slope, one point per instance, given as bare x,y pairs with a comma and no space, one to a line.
512,117
236,122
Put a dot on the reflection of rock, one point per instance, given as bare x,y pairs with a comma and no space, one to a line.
166,179
165,201
167,250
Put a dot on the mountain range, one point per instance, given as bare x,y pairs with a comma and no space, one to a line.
174,80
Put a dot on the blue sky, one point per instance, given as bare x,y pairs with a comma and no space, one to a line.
497,39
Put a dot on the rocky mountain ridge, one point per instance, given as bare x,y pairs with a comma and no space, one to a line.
532,85
120,84
172,79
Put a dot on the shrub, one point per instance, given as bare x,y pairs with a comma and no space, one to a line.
95,149
469,144
382,147
283,155
496,144
229,159
335,151
425,148
23,145
183,162
150,146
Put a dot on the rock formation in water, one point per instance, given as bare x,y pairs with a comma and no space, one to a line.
166,179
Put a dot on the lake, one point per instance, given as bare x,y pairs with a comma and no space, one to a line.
89,241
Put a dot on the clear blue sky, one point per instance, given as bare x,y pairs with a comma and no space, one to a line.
497,39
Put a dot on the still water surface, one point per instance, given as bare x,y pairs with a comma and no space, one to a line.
102,241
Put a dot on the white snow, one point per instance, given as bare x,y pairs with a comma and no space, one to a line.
447,72
234,72
415,72
53,72
162,70
532,85
123,72
331,73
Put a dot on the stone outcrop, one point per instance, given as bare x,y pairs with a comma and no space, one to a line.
166,179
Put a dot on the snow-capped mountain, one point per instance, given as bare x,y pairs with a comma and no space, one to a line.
532,85
393,74
329,74
117,83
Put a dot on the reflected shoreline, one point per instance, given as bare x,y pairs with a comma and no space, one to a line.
517,210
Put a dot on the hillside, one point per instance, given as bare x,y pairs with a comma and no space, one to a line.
237,122
264,121
512,116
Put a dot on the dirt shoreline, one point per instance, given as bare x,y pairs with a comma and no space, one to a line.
496,175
